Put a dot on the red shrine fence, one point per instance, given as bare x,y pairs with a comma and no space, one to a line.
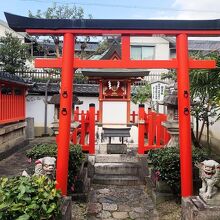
12,103
151,132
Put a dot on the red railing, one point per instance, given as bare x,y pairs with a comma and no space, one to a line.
12,104
150,128
85,133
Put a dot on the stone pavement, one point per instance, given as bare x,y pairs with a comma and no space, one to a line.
120,202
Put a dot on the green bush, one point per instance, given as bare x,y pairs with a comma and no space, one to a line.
166,164
76,158
29,198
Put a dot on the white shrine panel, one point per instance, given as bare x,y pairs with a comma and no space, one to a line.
114,113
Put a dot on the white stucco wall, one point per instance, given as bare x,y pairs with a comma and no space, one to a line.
35,109
162,51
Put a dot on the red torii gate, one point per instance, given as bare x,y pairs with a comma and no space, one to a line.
126,28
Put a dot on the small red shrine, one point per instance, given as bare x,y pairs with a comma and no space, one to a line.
115,93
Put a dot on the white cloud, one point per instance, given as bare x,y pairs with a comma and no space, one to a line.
197,9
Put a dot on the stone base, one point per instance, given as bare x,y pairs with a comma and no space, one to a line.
116,149
213,201
66,208
194,208
12,137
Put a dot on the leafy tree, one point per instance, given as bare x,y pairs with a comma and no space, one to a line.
205,94
13,53
59,12
141,94
205,90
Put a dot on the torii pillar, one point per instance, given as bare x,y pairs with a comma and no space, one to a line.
63,139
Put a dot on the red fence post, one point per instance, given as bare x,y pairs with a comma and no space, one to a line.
184,115
65,112
92,128
158,129
141,126
83,131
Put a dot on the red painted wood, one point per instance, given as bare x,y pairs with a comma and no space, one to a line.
92,129
184,115
99,32
12,107
83,129
65,113
150,64
125,47
158,129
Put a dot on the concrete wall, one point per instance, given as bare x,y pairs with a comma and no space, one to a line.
11,136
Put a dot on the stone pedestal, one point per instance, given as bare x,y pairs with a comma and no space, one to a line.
66,208
116,149
173,129
195,208
213,201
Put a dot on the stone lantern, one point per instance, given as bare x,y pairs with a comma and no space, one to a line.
55,100
172,124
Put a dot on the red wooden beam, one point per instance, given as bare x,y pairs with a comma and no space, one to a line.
99,32
128,64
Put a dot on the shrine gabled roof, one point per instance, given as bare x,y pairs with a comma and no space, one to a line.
121,73
20,23
12,78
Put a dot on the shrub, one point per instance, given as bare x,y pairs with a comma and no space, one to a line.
29,198
166,164
76,158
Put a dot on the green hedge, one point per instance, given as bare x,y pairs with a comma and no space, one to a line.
76,158
166,164
29,198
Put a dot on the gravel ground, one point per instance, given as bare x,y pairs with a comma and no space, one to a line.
169,210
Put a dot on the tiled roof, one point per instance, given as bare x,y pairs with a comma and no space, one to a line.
79,89
55,99
9,77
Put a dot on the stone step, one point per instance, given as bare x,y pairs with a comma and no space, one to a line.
122,180
116,158
117,168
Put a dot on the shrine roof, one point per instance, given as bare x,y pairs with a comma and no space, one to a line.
53,88
20,23
121,73
55,99
12,78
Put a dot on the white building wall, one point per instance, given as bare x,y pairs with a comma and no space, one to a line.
35,109
87,101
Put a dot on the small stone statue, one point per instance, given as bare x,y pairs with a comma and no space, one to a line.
210,175
44,166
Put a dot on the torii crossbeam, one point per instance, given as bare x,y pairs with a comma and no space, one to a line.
68,28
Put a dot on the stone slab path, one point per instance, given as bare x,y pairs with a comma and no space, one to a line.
120,202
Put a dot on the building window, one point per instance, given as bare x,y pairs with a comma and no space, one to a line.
142,52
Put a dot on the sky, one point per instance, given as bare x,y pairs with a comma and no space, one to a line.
124,9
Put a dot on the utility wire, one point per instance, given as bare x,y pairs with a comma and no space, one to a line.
125,6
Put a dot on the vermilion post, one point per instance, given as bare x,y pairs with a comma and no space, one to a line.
92,128
141,124
184,115
83,127
65,113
